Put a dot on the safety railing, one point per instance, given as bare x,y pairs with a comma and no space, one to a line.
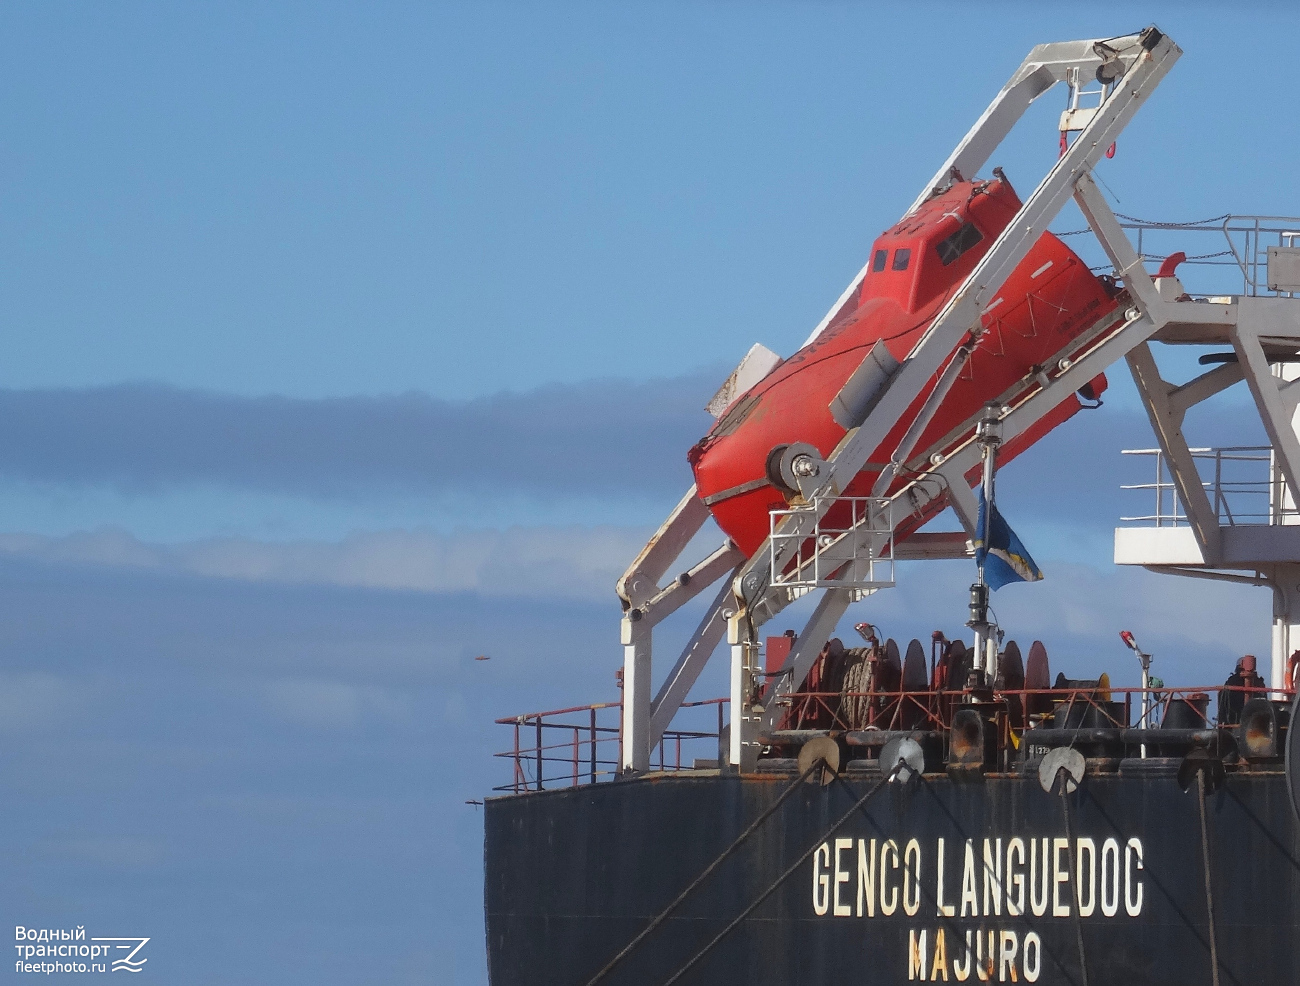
850,546
1242,242
1241,482
584,744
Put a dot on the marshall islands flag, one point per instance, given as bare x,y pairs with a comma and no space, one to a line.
999,552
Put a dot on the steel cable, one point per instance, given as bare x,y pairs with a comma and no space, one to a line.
1209,886
1154,222
1063,788
1182,915
708,871
789,871
858,805
988,872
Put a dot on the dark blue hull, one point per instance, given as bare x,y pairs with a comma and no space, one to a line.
573,875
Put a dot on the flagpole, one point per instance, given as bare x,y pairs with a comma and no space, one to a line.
988,432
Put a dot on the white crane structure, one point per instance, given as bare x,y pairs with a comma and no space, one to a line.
1260,327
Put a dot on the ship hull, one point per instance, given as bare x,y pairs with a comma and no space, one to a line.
573,875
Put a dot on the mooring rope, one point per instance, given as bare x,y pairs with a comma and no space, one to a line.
789,871
1209,884
1063,788
708,871
988,873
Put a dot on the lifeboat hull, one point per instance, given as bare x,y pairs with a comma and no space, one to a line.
1033,321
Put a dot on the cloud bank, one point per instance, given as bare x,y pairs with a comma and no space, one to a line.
1080,603
594,438
589,442
529,563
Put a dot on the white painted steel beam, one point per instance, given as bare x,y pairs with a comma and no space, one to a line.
1043,67
934,546
961,497
1128,265
639,589
681,590
1167,423
636,638
922,421
641,580
1264,387
681,679
1202,388
742,753
639,712
1243,547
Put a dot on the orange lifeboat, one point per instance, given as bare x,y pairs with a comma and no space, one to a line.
1032,321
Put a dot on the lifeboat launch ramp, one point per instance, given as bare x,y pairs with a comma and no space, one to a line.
1107,82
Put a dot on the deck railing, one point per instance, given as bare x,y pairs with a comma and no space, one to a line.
584,744
1231,251
1240,481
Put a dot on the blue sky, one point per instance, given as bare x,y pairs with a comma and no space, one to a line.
346,342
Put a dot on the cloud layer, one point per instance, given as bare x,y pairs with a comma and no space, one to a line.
206,759
1080,604
534,563
589,442
593,438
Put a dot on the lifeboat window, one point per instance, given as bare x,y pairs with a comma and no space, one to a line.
878,261
901,257
957,244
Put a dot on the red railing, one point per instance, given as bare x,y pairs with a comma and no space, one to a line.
584,745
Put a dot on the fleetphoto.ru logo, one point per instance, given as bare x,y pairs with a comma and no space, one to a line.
48,950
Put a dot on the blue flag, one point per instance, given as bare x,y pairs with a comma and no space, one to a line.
999,551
